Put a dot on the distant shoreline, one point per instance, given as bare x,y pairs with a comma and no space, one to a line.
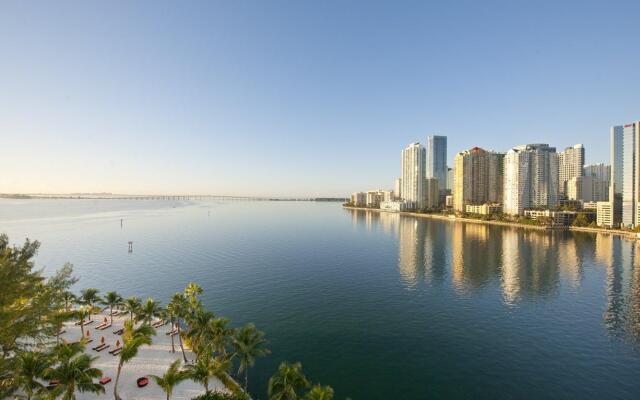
631,235
108,196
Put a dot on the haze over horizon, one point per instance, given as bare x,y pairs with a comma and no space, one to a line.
298,98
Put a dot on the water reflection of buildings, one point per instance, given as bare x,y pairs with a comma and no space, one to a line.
525,264
622,260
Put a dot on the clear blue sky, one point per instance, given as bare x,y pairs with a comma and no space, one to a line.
298,97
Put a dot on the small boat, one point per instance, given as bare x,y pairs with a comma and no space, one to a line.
143,381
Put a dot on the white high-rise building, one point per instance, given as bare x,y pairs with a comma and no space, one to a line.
530,178
413,175
570,165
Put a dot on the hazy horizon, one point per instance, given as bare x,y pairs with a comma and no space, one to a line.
290,98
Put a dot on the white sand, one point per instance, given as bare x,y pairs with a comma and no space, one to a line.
154,359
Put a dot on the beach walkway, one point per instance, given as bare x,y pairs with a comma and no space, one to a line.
153,359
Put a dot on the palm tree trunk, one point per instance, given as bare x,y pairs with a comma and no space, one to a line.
181,346
246,378
82,328
206,385
115,386
173,347
111,313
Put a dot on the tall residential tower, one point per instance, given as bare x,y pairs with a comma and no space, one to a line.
478,178
624,191
570,165
530,178
437,159
413,176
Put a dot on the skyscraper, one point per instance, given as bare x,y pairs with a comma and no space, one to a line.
625,174
600,171
570,165
397,190
413,175
478,178
530,178
437,159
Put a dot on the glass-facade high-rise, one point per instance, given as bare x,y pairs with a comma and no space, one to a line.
437,159
624,190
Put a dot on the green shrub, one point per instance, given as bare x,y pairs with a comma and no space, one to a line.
222,396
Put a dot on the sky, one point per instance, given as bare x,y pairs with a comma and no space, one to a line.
298,98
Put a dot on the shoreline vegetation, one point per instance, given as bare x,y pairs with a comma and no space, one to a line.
480,219
45,334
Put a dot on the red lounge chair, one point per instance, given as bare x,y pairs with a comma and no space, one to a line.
105,380
143,381
104,327
54,382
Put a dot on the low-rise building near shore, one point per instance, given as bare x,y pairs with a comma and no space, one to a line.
562,218
484,209
605,214
393,206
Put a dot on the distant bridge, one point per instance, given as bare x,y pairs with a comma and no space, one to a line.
104,196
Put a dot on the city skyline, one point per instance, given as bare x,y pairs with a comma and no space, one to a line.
155,98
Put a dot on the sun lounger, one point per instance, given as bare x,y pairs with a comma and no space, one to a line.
115,351
104,380
104,327
100,347
62,332
158,323
86,322
172,332
119,331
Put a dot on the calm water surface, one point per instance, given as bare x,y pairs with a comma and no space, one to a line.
377,305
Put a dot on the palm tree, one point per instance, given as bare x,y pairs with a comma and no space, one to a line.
111,300
200,333
170,315
82,313
178,307
132,306
191,293
149,310
319,392
170,378
207,367
132,339
68,298
31,366
73,372
220,334
89,297
287,382
248,343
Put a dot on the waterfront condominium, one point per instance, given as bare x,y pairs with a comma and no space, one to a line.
478,178
530,178
413,176
624,189
437,159
570,165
